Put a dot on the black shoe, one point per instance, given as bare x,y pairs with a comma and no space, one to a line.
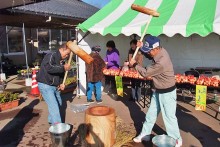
131,99
99,101
90,101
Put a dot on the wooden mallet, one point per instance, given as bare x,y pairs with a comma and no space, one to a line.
147,11
79,52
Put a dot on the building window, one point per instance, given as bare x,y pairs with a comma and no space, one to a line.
55,39
65,36
43,39
51,39
14,39
3,40
72,34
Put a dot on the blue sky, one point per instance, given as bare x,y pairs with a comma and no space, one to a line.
97,3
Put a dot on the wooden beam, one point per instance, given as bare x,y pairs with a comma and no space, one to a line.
10,3
36,21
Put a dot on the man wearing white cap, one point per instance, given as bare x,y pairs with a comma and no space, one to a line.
164,95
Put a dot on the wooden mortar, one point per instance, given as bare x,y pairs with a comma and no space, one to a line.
101,126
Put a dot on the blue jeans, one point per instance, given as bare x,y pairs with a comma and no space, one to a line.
90,88
166,103
54,102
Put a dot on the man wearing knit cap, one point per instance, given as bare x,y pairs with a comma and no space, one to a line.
164,95
95,75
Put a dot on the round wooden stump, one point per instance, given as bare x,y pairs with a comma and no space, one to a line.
101,126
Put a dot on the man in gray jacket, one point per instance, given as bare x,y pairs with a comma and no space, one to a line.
164,95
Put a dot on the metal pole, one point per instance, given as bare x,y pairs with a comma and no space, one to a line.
77,63
1,70
7,39
61,37
25,49
37,41
49,39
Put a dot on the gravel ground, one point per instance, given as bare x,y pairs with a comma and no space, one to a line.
26,125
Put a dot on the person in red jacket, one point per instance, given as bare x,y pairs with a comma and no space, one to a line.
95,75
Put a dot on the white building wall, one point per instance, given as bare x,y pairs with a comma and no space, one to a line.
194,51
185,53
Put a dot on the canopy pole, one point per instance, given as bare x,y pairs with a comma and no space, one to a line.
86,34
77,62
77,58
25,49
1,70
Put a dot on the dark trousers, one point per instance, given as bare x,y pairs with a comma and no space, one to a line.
135,89
110,86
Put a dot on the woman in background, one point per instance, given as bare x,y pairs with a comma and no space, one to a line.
112,60
135,83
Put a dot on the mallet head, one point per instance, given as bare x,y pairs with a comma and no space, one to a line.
145,10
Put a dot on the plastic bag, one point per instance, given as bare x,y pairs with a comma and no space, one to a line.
125,67
76,108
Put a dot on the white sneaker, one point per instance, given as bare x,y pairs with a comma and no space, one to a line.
179,143
141,138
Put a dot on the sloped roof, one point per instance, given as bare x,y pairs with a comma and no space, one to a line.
71,9
8,3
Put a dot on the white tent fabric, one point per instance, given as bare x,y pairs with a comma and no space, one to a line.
185,17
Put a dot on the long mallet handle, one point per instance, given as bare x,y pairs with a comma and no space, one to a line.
142,37
69,61
148,12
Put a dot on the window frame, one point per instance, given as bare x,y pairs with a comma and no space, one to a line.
7,45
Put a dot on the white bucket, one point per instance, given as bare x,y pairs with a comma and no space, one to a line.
3,77
28,82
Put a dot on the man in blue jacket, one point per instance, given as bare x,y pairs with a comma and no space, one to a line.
49,79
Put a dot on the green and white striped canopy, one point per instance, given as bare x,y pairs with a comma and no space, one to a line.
183,17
